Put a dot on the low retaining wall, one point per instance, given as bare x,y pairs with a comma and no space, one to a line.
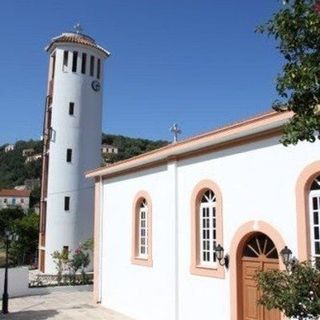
18,281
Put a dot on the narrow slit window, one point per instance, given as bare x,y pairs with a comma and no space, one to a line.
53,65
74,61
98,68
71,108
84,62
69,155
65,60
66,203
91,66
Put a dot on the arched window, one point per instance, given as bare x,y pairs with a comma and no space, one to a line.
314,217
206,229
142,230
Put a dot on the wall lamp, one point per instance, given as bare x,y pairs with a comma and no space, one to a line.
287,259
222,258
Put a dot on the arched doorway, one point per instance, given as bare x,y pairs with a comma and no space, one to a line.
258,252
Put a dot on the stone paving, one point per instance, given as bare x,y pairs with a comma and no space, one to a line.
62,304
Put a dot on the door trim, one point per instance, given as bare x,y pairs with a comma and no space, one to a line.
240,237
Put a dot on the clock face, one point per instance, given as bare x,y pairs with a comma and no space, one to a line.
96,85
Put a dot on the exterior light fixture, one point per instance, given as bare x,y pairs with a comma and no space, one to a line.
9,236
287,259
222,258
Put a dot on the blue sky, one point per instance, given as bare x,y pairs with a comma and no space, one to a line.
195,62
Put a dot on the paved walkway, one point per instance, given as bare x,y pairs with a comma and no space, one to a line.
62,304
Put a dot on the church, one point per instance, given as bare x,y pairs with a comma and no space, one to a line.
180,231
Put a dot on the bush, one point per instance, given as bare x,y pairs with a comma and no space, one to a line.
296,293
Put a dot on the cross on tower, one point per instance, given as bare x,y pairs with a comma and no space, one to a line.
78,29
175,130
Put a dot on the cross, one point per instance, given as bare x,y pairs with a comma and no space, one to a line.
175,130
78,28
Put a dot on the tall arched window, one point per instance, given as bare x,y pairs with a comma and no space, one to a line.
314,217
206,229
142,230
308,212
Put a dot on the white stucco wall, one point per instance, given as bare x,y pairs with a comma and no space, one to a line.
18,281
257,182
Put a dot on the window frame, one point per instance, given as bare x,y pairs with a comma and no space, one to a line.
303,187
209,229
197,267
312,225
136,257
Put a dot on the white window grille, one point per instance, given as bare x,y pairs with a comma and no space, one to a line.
208,231
143,230
314,218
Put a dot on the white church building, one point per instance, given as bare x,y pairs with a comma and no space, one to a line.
159,217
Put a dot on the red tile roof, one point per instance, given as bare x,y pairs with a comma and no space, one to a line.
14,193
77,38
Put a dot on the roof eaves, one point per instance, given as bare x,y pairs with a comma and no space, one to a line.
197,142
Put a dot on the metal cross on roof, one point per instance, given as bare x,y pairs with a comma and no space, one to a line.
175,130
78,28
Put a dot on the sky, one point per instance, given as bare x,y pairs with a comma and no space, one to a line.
198,63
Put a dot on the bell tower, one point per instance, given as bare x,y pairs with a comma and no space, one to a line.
71,143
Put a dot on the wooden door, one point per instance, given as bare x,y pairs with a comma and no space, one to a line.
259,253
41,257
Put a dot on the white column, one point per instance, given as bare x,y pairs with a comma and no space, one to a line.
173,200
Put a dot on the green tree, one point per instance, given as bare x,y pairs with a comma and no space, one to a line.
26,225
296,28
8,218
27,228
296,293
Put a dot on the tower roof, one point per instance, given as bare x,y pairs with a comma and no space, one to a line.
76,37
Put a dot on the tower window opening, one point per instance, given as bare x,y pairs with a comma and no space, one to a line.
71,108
98,68
66,203
74,61
65,60
69,155
65,251
91,66
53,65
84,61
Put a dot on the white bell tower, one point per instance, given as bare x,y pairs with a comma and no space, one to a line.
72,142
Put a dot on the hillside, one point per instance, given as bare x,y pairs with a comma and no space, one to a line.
14,171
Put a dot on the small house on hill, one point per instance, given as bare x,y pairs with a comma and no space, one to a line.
27,152
10,198
108,149
8,148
